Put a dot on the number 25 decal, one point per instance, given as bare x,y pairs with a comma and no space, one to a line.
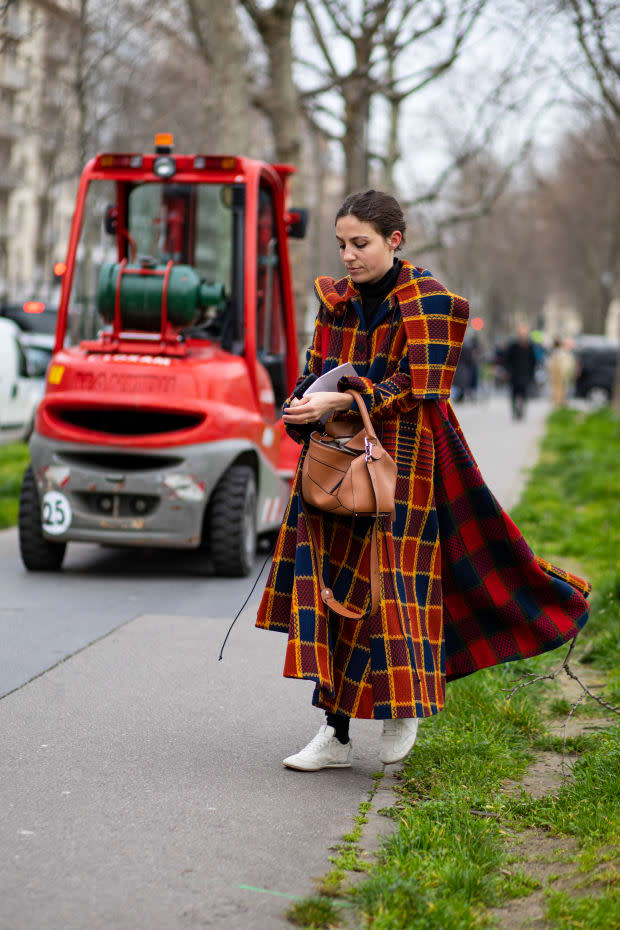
56,513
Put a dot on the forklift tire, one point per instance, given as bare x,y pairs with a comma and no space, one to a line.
38,553
231,523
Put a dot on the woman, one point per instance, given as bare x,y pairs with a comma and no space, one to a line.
460,589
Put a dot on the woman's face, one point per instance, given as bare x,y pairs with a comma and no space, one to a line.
366,254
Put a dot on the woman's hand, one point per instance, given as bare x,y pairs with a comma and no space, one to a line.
313,407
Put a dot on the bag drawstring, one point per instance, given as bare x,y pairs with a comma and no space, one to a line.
242,608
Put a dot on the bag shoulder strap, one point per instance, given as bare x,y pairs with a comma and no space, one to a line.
327,595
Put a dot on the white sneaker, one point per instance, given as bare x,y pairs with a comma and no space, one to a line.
397,738
322,752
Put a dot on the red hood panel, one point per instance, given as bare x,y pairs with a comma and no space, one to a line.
207,381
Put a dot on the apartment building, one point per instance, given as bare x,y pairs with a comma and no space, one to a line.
37,177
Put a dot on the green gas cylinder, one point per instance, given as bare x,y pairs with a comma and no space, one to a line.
141,294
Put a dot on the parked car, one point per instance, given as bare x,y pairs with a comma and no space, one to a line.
19,392
32,316
597,360
38,348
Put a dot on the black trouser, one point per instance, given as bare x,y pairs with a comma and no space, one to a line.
519,394
340,723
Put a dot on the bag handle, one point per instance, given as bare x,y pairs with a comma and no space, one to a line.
363,410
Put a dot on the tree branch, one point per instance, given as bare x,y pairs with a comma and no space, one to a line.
597,19
594,66
253,10
318,35
551,676
196,26
308,115
339,16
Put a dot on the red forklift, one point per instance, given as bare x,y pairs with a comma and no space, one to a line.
175,348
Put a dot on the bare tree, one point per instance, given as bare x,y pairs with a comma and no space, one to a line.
379,41
550,233
579,204
597,28
220,41
496,255
278,98
109,41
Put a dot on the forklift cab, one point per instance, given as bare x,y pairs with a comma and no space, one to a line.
204,236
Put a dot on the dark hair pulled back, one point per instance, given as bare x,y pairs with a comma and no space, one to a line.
381,210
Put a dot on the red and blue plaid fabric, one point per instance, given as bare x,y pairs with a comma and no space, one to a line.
460,588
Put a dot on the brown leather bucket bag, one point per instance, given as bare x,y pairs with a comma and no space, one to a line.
349,475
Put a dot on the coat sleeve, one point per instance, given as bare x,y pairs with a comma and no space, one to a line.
385,398
312,370
430,340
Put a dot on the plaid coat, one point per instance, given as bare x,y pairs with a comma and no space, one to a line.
460,588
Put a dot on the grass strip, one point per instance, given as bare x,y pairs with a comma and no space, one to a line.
13,461
443,868
588,805
586,913
571,511
450,859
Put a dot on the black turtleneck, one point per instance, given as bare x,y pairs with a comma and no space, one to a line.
374,292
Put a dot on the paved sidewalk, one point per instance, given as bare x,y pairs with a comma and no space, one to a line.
142,787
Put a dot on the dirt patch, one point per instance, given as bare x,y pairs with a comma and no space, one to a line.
539,855
544,776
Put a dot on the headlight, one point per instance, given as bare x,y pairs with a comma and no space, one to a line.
164,166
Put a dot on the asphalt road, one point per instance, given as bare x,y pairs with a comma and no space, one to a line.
142,784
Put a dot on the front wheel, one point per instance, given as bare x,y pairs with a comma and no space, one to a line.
38,553
231,523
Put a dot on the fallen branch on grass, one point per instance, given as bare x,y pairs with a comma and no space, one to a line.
550,676
531,677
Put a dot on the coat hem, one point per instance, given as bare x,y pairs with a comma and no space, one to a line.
530,654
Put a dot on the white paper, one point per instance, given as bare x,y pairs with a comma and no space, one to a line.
329,382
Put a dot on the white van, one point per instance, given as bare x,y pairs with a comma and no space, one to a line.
19,394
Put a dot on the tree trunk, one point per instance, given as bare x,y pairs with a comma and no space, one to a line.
282,99
355,139
282,108
219,38
392,154
80,87
357,93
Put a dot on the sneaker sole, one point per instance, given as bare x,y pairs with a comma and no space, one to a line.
400,758
394,761
328,765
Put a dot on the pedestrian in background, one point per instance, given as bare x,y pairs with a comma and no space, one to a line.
561,368
463,376
460,589
520,363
